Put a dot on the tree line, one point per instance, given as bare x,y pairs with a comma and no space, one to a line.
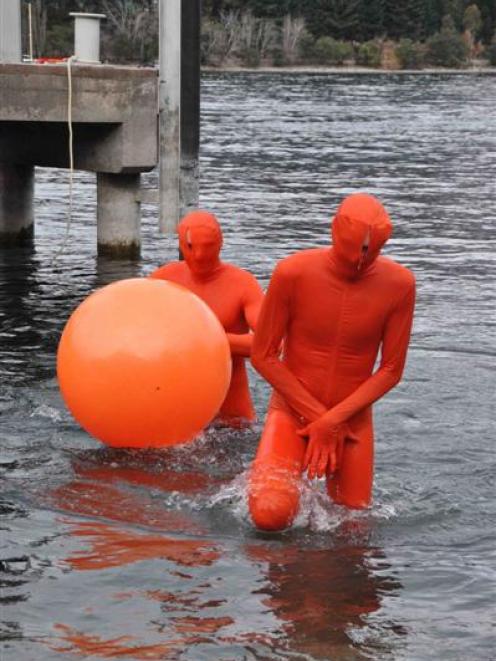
360,20
407,33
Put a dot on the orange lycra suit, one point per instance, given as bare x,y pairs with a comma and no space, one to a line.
333,308
232,293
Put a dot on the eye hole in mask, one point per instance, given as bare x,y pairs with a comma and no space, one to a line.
366,242
364,249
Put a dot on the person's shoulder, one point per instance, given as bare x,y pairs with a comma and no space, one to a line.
302,259
400,275
169,270
237,272
244,280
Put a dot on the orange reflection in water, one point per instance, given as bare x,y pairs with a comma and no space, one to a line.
109,493
183,601
208,629
100,500
112,547
190,624
166,480
71,641
320,594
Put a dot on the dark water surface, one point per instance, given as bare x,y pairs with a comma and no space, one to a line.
150,555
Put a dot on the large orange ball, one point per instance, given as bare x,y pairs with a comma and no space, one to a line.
143,363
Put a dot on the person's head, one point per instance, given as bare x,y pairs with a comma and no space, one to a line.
200,241
360,228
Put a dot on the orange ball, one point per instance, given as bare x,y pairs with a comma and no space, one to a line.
143,363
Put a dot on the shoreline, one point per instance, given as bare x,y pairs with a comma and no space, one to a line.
304,69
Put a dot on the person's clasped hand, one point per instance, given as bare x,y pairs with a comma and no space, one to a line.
325,446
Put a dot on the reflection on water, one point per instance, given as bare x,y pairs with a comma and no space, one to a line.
112,547
150,555
74,642
323,597
308,590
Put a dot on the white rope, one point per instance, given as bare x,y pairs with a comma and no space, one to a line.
71,156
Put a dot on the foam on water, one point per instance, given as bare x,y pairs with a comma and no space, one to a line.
317,513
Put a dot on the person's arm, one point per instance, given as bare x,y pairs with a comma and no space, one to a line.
241,343
328,433
271,329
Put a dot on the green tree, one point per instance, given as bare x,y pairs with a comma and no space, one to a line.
491,51
336,18
306,46
472,19
447,48
369,54
215,8
371,19
60,40
259,8
454,8
131,30
416,18
488,15
433,13
330,51
405,18
274,8
410,54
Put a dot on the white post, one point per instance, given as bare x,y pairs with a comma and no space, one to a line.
30,28
87,37
10,31
169,113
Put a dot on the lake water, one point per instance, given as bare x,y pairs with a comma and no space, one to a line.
150,555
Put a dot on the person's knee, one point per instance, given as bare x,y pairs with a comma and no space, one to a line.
273,497
273,490
273,509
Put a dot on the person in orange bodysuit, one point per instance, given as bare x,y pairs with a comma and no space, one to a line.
333,308
232,293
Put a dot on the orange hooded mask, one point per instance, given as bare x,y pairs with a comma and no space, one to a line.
360,219
200,242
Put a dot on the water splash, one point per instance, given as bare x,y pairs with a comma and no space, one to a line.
317,513
45,411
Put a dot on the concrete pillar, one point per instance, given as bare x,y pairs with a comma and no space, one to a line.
190,106
169,98
16,204
118,215
10,31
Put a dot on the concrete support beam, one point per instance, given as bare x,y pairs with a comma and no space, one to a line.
118,215
16,204
114,116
